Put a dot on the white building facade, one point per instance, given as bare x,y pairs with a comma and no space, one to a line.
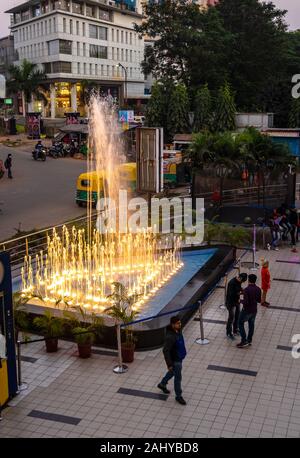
81,42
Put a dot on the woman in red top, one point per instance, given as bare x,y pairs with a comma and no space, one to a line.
265,282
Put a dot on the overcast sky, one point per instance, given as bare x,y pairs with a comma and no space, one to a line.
293,17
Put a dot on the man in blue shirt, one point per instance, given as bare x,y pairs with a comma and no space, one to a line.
174,353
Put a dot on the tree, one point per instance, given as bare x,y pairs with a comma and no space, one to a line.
258,53
189,43
224,116
202,108
168,108
28,80
294,115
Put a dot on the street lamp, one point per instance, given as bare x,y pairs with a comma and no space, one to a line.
125,88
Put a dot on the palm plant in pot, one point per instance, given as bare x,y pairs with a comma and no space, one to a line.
123,312
85,328
51,327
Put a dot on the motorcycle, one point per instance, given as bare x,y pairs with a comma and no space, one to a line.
39,153
56,150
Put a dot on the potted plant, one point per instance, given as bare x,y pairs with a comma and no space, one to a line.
51,327
123,312
21,318
84,328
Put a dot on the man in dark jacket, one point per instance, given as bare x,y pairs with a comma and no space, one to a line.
294,221
234,289
174,352
252,296
8,165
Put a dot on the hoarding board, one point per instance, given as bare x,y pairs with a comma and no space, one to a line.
149,157
126,116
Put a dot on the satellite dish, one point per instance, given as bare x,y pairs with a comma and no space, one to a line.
2,87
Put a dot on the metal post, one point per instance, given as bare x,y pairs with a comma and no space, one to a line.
254,267
120,368
21,386
223,306
201,340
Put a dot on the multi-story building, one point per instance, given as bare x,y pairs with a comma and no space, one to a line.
80,41
7,54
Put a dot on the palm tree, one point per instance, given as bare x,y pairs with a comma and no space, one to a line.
28,80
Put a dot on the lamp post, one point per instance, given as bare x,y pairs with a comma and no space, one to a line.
125,88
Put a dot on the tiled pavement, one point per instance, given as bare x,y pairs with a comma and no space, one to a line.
219,404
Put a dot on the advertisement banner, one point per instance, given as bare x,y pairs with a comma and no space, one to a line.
33,125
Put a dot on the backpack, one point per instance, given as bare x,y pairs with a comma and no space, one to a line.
6,163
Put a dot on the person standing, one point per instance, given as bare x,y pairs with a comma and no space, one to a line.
233,292
265,282
8,165
252,296
174,352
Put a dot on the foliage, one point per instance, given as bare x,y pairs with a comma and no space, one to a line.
294,115
224,116
123,310
21,318
221,232
83,325
83,336
168,108
49,325
29,80
203,109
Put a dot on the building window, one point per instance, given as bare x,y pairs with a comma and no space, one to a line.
102,70
126,37
45,7
130,37
96,69
126,55
99,33
112,53
131,72
112,35
78,68
122,36
78,48
50,26
90,11
118,35
91,69
59,47
61,5
64,25
118,54
108,70
46,28
25,15
42,28
77,8
58,67
99,52
77,27
130,55
84,68
83,29
122,54
71,27
54,24
84,49
105,15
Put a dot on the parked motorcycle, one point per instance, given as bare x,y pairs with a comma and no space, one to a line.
56,150
39,153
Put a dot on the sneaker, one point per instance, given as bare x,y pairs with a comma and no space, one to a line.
267,303
163,388
268,247
230,337
181,401
294,250
236,333
242,344
264,304
249,343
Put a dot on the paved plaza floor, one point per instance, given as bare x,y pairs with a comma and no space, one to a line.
230,392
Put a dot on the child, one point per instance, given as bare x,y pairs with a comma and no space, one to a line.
265,282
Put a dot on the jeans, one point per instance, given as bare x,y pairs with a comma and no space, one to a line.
176,373
250,317
233,318
275,238
9,173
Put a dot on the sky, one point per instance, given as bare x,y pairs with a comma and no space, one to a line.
293,16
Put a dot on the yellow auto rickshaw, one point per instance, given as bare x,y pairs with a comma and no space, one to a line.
89,184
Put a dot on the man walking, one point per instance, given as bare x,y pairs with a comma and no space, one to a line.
8,165
174,352
252,295
234,289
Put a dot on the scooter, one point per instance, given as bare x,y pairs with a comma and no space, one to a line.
56,150
39,153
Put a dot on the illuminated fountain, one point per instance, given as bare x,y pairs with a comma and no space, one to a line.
78,267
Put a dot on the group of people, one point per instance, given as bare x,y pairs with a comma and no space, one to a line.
174,347
284,223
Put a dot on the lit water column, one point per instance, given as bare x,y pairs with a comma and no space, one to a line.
52,100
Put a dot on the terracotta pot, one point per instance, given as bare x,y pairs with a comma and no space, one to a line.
127,353
51,345
84,350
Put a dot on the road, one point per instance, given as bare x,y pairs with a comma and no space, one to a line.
41,194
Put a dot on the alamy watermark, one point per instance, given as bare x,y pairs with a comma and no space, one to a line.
165,215
296,87
296,347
